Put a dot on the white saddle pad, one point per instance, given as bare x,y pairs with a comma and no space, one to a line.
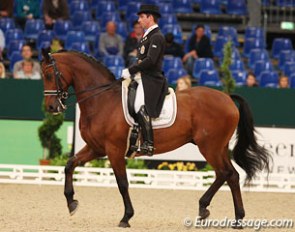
168,113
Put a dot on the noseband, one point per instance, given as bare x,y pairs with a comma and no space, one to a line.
61,94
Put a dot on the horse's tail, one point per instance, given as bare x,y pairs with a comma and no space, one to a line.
247,152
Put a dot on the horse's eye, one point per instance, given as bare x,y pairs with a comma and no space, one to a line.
48,76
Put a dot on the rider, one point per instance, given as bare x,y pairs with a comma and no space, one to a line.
150,57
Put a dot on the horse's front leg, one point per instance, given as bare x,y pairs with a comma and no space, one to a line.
83,156
119,167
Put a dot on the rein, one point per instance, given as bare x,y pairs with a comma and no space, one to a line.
62,94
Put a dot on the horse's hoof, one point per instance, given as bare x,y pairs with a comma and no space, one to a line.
73,207
204,213
238,226
124,224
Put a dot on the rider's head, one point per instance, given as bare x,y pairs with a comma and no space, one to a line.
148,15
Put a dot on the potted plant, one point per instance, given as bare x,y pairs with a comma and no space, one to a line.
47,134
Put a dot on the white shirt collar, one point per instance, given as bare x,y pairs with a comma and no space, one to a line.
150,29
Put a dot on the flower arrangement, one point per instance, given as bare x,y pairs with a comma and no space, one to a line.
178,166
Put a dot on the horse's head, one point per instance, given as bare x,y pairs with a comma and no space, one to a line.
56,82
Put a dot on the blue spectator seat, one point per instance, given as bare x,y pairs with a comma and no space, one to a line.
174,74
45,35
79,6
265,2
210,7
14,57
254,32
152,2
13,34
209,78
286,56
116,70
6,24
33,27
78,18
261,66
113,60
252,43
280,44
14,46
196,2
132,7
122,5
94,4
201,64
236,7
168,19
289,68
240,77
122,29
108,16
230,32
269,79
176,30
292,81
256,55
103,7
61,28
219,44
285,3
80,47
166,8
91,29
182,6
237,65
130,20
74,37
171,62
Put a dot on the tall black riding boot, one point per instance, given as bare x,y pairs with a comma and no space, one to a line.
145,123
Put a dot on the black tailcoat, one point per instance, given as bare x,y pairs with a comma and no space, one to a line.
150,57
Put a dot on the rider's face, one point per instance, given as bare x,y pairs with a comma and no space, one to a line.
144,20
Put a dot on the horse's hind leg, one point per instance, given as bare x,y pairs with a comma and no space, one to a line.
119,167
83,156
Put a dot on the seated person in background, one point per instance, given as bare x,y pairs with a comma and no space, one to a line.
27,9
27,55
2,43
54,10
131,44
199,47
56,45
2,71
283,82
111,43
6,8
173,48
251,80
183,83
27,71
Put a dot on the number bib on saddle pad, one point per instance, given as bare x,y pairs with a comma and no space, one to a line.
168,112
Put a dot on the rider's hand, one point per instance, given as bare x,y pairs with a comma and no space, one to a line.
125,73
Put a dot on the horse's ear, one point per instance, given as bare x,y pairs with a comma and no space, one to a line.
45,55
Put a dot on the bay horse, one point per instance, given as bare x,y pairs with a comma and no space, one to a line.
205,117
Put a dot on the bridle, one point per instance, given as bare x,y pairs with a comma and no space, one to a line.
62,95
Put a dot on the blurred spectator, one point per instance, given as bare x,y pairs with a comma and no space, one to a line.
173,48
283,82
199,47
131,44
27,71
56,45
111,43
2,70
6,8
2,43
54,10
183,83
251,80
26,9
27,55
